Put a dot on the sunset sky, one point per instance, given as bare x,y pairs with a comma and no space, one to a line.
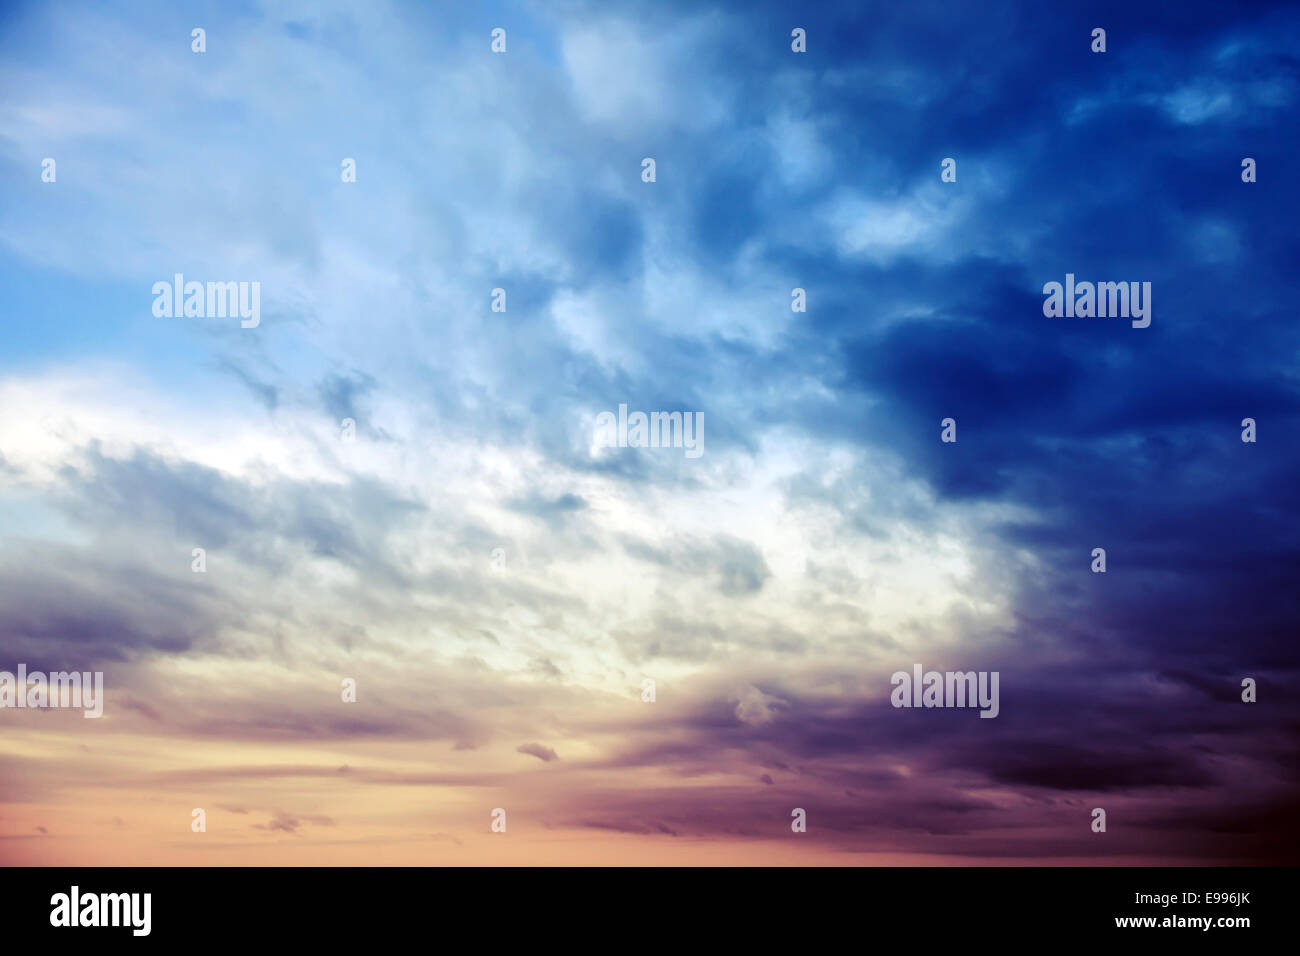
498,586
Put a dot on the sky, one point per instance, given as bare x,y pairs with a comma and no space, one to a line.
497,585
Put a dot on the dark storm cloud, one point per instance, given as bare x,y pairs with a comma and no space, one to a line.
135,592
876,778
67,610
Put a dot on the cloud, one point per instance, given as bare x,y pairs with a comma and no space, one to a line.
545,754
756,708
288,823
